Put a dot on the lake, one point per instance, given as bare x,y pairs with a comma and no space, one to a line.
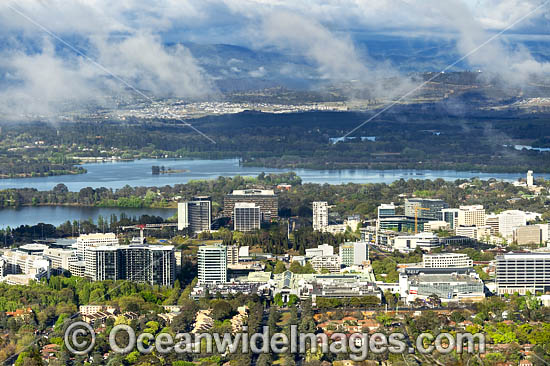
138,173
56,215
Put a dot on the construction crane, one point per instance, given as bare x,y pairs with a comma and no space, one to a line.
416,209
142,227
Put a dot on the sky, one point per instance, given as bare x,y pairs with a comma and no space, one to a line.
58,52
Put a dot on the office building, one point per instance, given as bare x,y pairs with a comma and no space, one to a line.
196,215
522,272
386,210
449,215
212,264
436,225
471,216
246,216
60,258
424,241
324,249
232,255
102,263
152,264
320,216
27,266
266,200
467,231
446,260
544,231
493,221
32,249
508,220
526,235
89,240
326,263
400,223
353,253
432,208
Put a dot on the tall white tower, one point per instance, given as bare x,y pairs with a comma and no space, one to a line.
320,215
530,179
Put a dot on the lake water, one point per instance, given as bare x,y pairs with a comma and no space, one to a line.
138,173
56,215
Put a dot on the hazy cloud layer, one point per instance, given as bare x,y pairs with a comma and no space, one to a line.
40,76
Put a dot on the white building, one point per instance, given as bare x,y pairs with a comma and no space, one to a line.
212,264
508,220
195,215
353,253
330,263
446,260
471,216
436,225
88,240
246,216
60,258
324,249
30,267
523,272
424,241
320,216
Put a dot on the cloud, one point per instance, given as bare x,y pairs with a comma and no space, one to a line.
40,76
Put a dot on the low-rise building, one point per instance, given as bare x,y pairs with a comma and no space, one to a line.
424,241
330,263
446,260
529,234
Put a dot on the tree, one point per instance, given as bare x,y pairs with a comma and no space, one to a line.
279,268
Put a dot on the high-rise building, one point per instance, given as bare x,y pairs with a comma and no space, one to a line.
89,240
265,199
195,215
493,222
530,179
232,255
433,206
446,260
353,253
320,216
508,220
102,263
246,216
522,272
471,216
152,264
212,264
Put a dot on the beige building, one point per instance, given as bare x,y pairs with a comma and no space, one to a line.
493,222
525,235
232,255
471,215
